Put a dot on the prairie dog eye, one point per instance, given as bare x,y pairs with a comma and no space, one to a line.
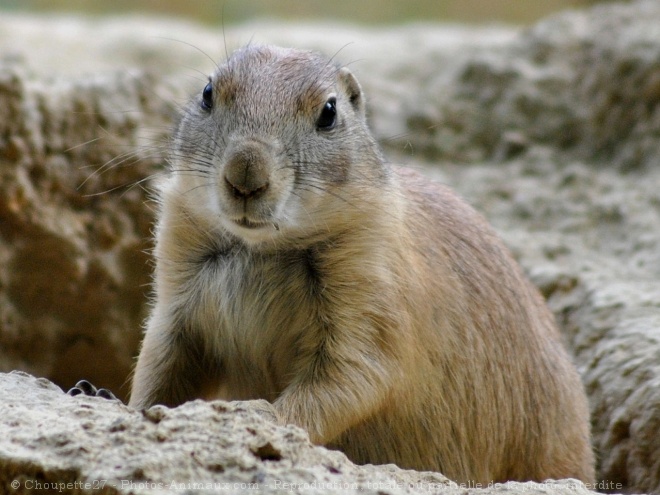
207,97
328,117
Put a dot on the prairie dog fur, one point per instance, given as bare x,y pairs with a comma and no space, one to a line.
371,307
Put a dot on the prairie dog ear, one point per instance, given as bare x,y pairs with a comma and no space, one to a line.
353,90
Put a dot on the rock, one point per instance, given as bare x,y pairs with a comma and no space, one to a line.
551,131
92,445
567,82
73,235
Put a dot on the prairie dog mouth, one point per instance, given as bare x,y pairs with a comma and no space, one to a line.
249,224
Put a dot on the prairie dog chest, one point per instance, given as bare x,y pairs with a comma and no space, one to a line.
255,311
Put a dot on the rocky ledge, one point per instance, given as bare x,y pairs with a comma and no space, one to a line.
57,443
553,132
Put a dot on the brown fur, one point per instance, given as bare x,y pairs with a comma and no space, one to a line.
371,307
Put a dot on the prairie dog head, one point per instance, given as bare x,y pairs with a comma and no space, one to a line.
275,147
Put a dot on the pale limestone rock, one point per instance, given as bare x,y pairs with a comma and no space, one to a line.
51,440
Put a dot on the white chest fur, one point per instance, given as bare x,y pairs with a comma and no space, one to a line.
244,308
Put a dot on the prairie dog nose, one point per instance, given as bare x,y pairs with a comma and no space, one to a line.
247,171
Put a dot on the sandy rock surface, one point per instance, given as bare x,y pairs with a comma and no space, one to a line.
73,271
51,441
553,132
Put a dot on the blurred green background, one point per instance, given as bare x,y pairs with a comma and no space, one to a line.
214,12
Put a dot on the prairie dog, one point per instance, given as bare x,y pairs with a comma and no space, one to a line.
371,307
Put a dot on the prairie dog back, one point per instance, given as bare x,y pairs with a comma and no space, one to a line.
371,307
